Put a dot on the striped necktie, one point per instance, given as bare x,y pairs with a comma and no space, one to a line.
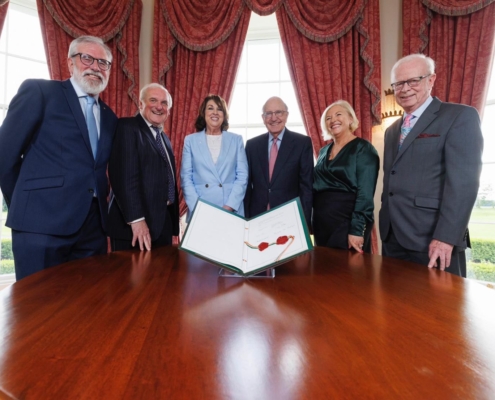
405,129
91,123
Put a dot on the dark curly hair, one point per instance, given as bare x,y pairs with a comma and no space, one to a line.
201,122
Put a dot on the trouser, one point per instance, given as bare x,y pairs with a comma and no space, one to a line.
34,252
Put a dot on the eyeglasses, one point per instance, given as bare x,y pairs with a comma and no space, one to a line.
269,114
88,60
413,82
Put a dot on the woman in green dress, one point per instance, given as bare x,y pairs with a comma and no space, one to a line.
344,183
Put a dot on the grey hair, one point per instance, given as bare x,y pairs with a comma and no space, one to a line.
428,61
88,39
274,97
354,124
155,85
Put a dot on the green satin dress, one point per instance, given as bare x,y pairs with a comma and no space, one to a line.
353,171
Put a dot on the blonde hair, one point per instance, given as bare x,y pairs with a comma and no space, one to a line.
354,124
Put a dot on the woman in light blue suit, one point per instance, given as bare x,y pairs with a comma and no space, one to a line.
214,164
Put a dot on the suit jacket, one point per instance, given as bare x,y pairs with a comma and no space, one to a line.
223,183
431,183
139,181
47,170
292,174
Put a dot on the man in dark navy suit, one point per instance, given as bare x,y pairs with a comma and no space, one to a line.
280,164
144,208
54,147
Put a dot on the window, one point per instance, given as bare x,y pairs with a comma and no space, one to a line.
481,264
262,73
22,56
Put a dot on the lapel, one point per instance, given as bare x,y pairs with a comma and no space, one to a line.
146,132
106,133
224,151
284,152
205,153
75,106
428,116
168,145
263,155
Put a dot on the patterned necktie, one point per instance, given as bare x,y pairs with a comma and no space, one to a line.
405,129
273,157
166,157
91,123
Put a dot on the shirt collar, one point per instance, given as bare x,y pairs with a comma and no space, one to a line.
150,124
279,137
420,110
79,91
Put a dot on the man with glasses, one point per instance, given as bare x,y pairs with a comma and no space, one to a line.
431,166
55,143
280,164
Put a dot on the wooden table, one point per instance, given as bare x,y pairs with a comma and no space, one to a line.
163,325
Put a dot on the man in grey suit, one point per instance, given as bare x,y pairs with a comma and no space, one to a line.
432,164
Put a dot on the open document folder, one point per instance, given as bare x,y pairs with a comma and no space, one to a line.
243,246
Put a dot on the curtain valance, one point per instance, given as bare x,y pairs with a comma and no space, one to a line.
324,21
456,7
201,25
83,17
264,7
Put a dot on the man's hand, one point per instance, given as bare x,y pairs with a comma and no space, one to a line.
226,207
141,233
356,242
439,250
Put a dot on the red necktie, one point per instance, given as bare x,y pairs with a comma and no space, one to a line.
273,157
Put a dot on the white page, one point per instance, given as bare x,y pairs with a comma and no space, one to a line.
284,221
215,234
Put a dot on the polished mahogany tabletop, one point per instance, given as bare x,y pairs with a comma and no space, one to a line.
163,325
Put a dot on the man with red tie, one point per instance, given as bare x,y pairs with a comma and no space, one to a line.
280,164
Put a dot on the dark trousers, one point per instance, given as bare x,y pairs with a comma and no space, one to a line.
164,239
392,248
332,213
34,252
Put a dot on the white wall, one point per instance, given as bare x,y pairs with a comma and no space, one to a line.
391,50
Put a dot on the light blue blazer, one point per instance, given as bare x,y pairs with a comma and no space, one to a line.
223,183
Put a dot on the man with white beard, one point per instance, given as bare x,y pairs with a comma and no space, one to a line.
54,147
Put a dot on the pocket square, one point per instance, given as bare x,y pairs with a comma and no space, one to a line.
427,135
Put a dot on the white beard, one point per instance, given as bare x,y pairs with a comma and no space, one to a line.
88,85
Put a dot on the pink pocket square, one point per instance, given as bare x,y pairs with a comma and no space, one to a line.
427,135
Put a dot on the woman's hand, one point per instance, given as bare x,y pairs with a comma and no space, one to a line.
356,242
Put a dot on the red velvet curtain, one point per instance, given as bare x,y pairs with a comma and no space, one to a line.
198,46
333,50
4,5
459,35
117,22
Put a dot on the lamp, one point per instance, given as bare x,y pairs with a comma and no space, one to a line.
392,109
